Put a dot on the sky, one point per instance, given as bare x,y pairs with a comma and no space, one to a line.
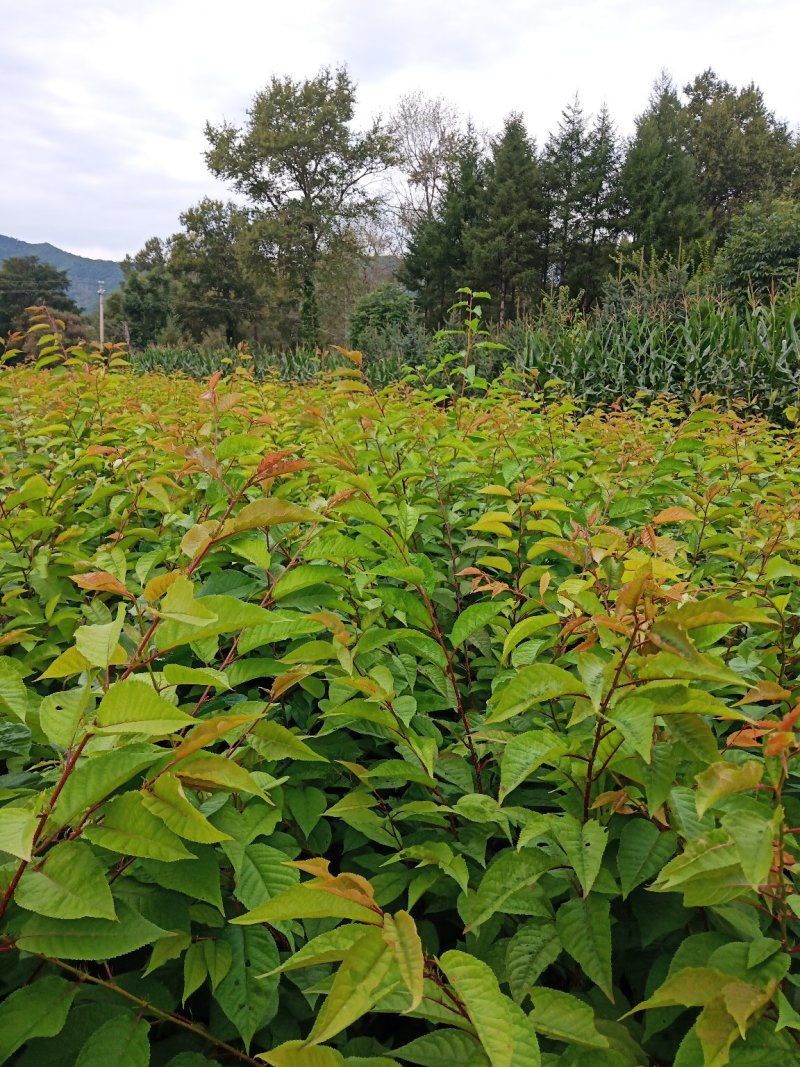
103,102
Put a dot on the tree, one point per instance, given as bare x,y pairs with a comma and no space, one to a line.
506,249
304,170
741,151
213,286
437,261
27,281
385,323
154,253
141,308
762,251
600,221
427,136
565,156
658,181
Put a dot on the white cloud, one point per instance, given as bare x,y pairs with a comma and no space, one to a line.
102,105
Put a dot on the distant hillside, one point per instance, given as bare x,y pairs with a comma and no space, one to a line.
84,274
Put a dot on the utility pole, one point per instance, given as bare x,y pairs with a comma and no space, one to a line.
101,292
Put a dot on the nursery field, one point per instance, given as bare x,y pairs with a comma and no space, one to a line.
344,727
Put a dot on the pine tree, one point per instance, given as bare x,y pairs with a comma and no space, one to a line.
658,180
568,195
437,261
506,246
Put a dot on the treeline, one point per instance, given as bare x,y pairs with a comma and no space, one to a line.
523,221
707,188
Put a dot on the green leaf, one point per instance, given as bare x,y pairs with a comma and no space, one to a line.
96,777
167,800
17,827
524,629
298,1054
69,662
330,947
13,693
508,872
643,851
301,902
713,610
211,771
707,871
195,970
269,511
197,877
562,1017
134,707
129,828
400,934
532,685
532,949
61,713
524,754
584,845
754,837
89,939
275,742
690,987
70,883
474,618
247,1000
407,518
181,605
505,1032
584,927
634,718
722,779
175,674
355,987
99,645
303,577
787,1016
261,874
122,1041
444,1048
231,615
36,1010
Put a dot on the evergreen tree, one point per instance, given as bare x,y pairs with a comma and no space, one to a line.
581,166
741,151
506,245
658,180
437,261
568,194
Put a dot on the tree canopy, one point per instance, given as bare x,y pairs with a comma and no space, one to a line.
26,281
304,170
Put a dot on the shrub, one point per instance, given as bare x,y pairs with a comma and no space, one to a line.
385,324
761,256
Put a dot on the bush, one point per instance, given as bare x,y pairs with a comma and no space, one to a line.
761,256
385,325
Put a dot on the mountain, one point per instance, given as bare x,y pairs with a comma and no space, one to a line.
83,273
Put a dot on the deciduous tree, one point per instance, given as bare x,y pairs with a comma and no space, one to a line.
305,170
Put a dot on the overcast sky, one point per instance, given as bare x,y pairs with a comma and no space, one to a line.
103,102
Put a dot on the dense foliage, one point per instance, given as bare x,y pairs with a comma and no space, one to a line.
423,726
26,280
